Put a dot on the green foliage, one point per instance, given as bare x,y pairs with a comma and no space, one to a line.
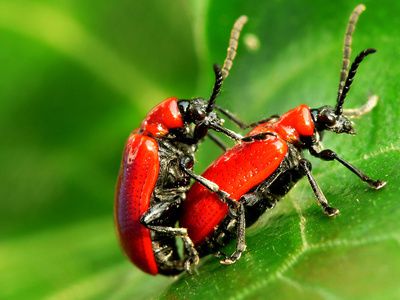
76,78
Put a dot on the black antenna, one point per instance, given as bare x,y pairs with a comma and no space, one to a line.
217,88
350,76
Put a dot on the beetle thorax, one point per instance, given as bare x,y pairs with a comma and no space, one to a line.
162,118
291,127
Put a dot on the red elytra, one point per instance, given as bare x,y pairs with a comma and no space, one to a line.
137,178
241,168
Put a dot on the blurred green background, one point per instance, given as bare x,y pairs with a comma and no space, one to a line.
77,76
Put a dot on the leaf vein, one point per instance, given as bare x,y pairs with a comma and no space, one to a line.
324,293
293,259
354,242
303,220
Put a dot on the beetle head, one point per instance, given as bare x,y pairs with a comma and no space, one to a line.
194,110
334,119
325,118
198,109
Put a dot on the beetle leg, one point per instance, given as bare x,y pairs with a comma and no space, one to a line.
252,125
305,165
201,130
155,213
258,137
217,141
229,133
241,238
329,155
246,201
232,117
240,123
220,254
236,210
233,205
192,254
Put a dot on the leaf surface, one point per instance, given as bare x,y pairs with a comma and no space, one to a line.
76,79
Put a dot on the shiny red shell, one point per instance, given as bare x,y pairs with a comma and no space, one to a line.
161,118
136,181
290,126
242,168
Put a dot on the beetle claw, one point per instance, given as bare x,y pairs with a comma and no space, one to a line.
378,184
233,258
220,254
230,260
191,263
233,208
331,211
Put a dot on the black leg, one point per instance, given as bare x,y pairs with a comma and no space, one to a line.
240,123
217,141
237,137
263,121
213,187
201,130
247,201
328,155
305,165
155,213
241,237
236,210
258,137
192,256
232,117
233,135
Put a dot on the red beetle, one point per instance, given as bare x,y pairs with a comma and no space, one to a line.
153,178
253,175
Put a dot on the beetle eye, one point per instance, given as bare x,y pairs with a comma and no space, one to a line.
200,114
328,119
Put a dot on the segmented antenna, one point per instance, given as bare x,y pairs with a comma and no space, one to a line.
221,74
348,38
216,89
233,44
362,110
349,80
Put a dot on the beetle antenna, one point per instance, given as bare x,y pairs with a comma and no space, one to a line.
221,74
363,109
348,38
216,89
233,44
349,80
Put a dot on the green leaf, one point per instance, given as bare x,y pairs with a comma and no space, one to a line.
77,78
294,251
